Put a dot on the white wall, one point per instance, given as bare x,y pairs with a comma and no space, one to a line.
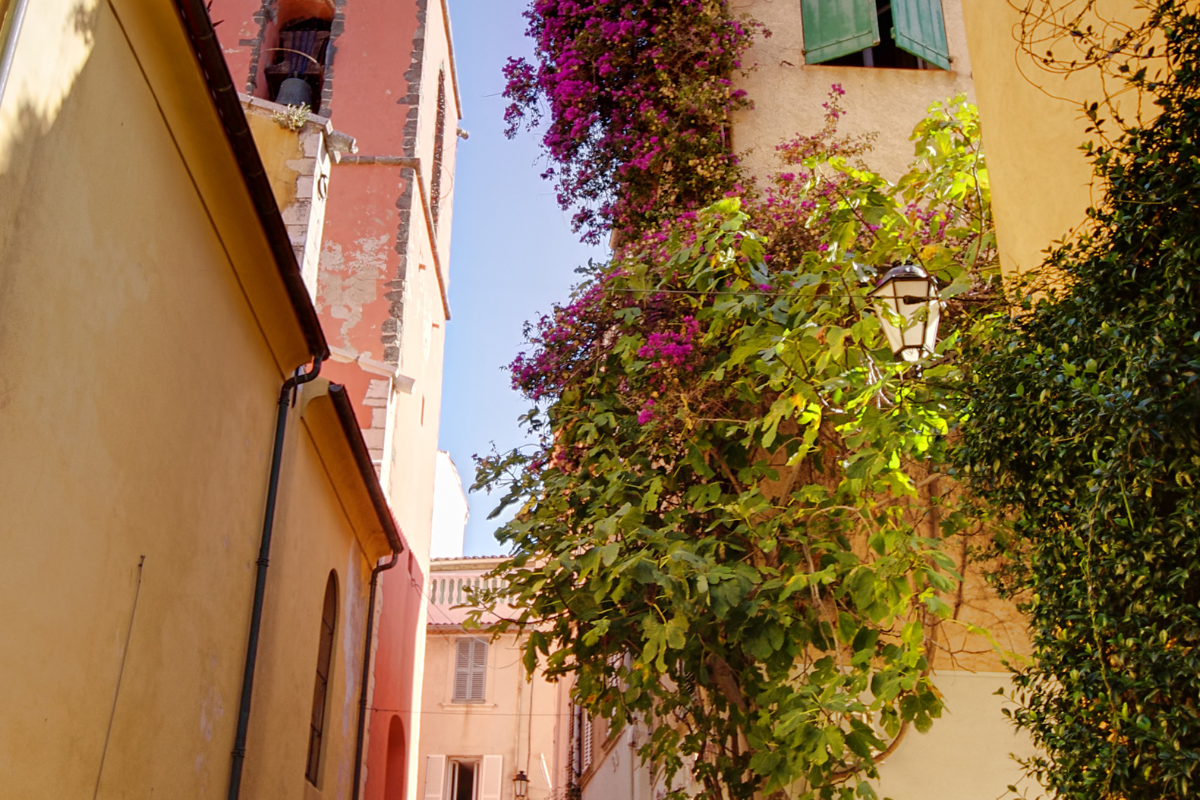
449,510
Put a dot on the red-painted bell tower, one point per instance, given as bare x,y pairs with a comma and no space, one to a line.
382,74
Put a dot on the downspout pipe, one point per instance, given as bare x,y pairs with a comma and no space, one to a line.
8,38
361,736
287,396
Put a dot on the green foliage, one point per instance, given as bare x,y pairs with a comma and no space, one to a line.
734,529
1083,425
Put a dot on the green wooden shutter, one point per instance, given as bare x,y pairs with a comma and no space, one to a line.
920,30
835,28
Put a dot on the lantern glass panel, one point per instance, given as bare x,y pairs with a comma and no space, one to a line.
908,311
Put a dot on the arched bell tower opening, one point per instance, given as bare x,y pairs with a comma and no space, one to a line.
294,53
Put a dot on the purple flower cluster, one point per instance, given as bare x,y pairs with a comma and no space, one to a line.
565,339
670,348
647,415
637,94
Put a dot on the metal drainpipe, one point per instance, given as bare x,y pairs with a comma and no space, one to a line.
286,396
10,46
366,674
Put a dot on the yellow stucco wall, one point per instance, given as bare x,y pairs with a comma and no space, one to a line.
277,146
788,94
137,405
968,754
1033,125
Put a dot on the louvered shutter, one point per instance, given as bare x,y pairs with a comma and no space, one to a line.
462,670
478,682
835,28
920,30
435,777
586,743
491,777
470,671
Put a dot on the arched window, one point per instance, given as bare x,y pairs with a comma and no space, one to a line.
397,752
321,690
304,31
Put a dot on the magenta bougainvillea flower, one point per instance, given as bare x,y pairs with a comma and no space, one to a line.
637,95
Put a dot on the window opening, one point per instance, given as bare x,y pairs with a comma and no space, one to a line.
320,691
470,671
439,142
297,72
891,34
462,780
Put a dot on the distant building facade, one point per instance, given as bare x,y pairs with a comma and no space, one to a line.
483,719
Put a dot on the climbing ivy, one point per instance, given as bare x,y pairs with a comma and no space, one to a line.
1083,425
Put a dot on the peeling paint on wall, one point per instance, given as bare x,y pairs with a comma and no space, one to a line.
349,282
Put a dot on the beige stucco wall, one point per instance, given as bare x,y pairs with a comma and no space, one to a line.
137,403
524,721
1033,125
968,754
788,94
521,720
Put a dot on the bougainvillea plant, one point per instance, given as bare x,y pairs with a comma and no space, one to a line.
638,95
1084,427
735,528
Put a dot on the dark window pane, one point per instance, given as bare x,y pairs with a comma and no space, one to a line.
321,686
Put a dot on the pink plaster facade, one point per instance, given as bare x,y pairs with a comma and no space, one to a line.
388,81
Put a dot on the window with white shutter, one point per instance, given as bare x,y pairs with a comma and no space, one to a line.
491,778
435,777
470,671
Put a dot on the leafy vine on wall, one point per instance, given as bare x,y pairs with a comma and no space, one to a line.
1083,425
738,526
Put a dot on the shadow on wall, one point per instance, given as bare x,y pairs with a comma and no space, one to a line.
41,96
47,71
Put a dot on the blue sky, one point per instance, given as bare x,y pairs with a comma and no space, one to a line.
512,255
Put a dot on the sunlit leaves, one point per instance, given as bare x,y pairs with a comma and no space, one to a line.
723,532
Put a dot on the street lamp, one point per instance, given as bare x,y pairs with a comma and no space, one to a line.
902,294
520,785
